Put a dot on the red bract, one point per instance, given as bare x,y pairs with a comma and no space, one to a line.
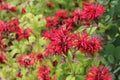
91,12
102,73
43,73
51,22
2,58
89,44
27,60
61,41
23,10
69,23
61,14
76,15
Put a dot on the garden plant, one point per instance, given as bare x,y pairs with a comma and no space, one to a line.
59,39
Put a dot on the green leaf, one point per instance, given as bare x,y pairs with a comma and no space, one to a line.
73,78
117,52
69,77
111,59
104,2
91,30
70,55
116,70
109,49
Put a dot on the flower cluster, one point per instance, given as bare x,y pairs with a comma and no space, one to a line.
12,27
43,73
61,40
60,19
102,73
71,38
60,29
90,12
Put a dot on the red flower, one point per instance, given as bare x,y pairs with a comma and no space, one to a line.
2,58
51,22
27,60
91,12
61,41
3,27
88,44
43,73
13,25
102,73
61,14
23,34
23,10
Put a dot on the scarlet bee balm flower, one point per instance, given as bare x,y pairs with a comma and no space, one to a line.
27,60
102,73
91,12
61,41
89,44
43,73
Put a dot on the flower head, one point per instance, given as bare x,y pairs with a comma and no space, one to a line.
27,60
91,11
43,73
89,44
60,41
23,33
102,73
